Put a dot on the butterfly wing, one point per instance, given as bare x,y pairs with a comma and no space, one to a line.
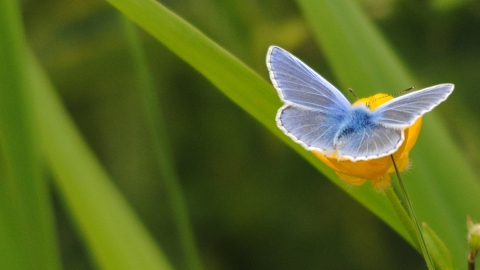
341,136
313,129
384,134
402,112
364,140
314,108
299,85
316,113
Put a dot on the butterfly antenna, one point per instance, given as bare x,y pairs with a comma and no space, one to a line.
351,91
368,104
403,91
391,95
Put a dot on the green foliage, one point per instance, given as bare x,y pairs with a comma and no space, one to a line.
27,227
112,231
364,61
252,202
437,248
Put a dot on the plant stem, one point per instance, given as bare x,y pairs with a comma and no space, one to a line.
426,254
471,261
402,215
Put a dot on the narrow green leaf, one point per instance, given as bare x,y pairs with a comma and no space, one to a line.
153,114
413,217
112,232
403,216
235,79
27,230
238,82
361,59
442,186
440,253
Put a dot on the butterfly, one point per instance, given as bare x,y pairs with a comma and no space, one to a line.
320,118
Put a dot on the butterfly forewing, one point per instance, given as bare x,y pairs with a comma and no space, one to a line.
403,111
299,85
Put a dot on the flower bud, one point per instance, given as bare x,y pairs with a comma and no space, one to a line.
473,239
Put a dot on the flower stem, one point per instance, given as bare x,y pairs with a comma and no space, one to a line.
426,254
402,215
471,261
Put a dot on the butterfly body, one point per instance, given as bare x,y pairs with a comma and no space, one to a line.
317,116
355,121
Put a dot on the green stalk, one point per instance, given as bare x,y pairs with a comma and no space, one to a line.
151,106
402,215
423,245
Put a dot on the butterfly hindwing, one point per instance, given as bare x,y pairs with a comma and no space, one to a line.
339,135
299,85
370,143
314,130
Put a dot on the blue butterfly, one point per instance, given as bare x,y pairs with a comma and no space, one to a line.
317,116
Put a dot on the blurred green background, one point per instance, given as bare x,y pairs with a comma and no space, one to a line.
253,202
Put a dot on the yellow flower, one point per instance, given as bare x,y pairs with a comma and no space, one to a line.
376,170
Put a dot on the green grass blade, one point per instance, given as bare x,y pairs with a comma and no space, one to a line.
442,186
27,230
151,106
238,82
403,216
111,230
408,203
439,251
362,60
356,52
235,79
